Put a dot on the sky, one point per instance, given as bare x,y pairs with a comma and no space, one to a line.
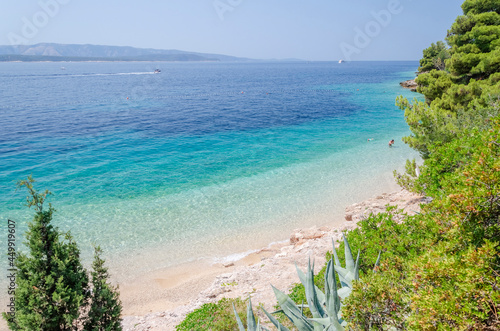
314,30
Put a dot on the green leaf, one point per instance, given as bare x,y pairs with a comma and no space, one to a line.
337,262
291,310
275,321
251,324
238,320
349,260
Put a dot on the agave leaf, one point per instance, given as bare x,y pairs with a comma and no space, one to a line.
326,321
343,282
349,278
344,292
345,276
291,310
335,326
337,261
320,294
332,299
312,298
349,260
301,274
238,320
378,262
330,323
356,268
275,321
258,328
251,324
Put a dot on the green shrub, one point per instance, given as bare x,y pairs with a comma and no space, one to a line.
105,305
214,316
456,290
51,283
52,287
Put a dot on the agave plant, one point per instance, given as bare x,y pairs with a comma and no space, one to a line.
348,274
325,307
252,325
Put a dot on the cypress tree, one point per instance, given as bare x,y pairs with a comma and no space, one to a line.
105,309
51,281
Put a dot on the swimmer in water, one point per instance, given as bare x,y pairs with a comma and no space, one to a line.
391,143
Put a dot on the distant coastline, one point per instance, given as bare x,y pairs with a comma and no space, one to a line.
166,58
51,52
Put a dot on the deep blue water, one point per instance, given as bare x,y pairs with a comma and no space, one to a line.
201,155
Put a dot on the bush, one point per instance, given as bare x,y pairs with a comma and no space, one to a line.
214,316
52,287
51,282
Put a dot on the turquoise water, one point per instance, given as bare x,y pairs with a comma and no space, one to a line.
200,161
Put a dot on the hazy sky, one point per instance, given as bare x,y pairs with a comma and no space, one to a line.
305,29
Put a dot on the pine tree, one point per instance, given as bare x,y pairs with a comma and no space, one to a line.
51,282
466,93
105,309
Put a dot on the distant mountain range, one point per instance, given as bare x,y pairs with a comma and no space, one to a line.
65,52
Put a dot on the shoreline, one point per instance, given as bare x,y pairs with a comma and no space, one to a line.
160,300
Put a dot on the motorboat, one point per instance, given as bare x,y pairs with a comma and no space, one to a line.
157,71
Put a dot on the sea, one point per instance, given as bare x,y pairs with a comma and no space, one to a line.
205,160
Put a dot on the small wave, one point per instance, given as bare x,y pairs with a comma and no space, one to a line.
111,74
84,75
239,256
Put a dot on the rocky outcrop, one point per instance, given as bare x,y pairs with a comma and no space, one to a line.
276,264
410,84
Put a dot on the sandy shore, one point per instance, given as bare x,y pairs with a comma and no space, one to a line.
160,300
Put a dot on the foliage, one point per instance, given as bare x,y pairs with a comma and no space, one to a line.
52,287
214,316
51,282
434,57
408,179
466,92
105,306
378,302
456,291
474,39
440,268
465,174
324,306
